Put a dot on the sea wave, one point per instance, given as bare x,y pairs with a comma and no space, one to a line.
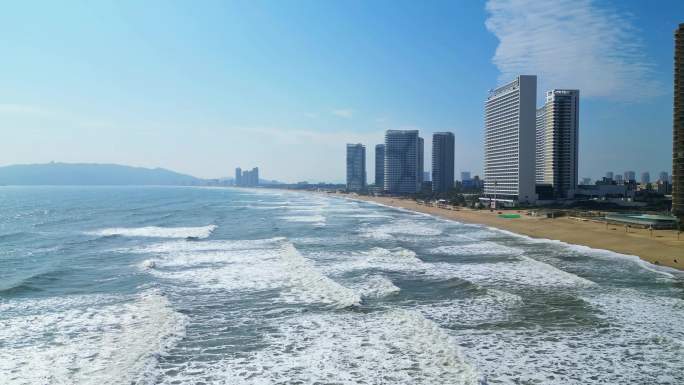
110,343
249,265
200,232
318,220
389,347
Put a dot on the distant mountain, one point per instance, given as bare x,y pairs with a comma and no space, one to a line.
91,174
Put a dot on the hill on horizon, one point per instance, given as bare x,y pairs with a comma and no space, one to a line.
55,173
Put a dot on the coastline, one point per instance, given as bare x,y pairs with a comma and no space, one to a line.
662,248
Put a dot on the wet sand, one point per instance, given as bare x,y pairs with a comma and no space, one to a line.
662,247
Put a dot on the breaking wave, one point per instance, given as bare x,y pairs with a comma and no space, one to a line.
250,266
157,232
392,347
109,342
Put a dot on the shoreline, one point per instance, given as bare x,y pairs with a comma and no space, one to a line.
662,248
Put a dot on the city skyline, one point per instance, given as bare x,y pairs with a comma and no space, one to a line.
129,98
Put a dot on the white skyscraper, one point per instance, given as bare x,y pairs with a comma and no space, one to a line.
510,133
403,161
356,167
557,142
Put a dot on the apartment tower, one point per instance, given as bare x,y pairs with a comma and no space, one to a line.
442,161
557,142
238,177
356,167
510,128
678,127
539,146
403,171
380,166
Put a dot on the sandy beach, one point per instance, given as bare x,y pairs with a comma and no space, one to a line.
662,247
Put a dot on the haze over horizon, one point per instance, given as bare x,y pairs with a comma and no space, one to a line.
202,89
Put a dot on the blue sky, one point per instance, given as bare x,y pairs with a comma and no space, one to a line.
203,87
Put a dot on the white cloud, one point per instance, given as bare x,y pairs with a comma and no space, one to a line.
571,44
343,112
13,108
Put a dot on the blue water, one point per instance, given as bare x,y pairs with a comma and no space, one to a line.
221,286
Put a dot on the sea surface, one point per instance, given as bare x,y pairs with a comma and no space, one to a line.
153,285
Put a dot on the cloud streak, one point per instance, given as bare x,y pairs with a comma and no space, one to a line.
343,113
571,44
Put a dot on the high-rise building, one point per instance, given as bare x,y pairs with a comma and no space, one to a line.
678,127
356,167
426,176
586,181
540,148
630,176
618,178
609,175
645,177
380,166
238,176
403,174
442,161
510,132
557,138
465,175
247,178
663,176
421,160
255,177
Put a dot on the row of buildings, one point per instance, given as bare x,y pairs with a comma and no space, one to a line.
399,163
529,149
526,149
630,177
246,178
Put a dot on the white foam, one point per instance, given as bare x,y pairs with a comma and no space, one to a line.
394,347
480,248
639,342
375,286
157,232
88,343
492,306
316,219
366,216
250,266
641,313
401,227
149,264
397,259
523,271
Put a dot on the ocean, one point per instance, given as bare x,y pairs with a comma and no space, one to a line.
155,285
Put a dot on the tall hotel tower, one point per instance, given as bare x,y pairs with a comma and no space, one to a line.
403,163
442,161
557,141
356,167
678,127
380,166
510,125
